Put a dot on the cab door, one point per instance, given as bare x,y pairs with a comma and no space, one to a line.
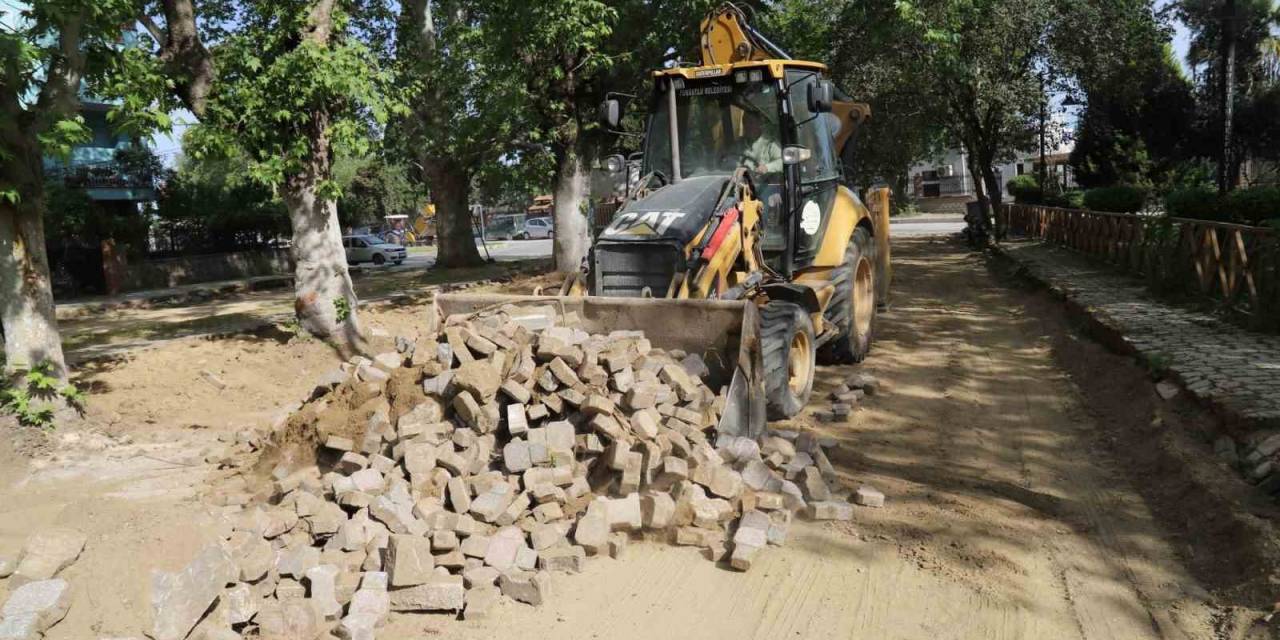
812,183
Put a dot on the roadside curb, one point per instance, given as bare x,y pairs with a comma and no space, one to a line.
1112,334
173,297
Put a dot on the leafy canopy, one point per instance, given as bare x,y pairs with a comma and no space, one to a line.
277,89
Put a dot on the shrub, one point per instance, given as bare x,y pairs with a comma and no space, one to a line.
1025,189
1121,198
1197,203
1253,206
1069,200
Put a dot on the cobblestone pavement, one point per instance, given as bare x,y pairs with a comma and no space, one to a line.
1233,368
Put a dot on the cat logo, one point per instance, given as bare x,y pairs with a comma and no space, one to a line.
643,223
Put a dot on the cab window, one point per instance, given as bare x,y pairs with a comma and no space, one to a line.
812,130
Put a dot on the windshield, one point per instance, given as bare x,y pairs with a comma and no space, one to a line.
722,125
372,239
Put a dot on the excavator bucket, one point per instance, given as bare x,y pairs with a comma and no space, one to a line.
725,333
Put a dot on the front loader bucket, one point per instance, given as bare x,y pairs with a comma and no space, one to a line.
725,333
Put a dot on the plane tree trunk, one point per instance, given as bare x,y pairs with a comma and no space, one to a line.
451,190
27,314
572,236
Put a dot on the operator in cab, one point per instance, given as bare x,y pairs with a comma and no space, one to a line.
763,150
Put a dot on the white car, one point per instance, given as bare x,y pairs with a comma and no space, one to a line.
372,249
537,228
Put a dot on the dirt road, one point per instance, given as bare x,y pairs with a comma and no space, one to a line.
1004,519
1009,515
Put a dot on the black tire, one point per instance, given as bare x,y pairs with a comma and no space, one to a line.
379,259
782,325
523,236
854,341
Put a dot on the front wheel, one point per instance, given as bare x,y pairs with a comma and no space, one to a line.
787,341
379,259
852,309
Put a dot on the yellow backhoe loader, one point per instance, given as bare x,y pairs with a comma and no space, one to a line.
739,241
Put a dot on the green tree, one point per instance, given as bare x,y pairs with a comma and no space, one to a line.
49,51
215,205
464,121
292,83
373,187
865,45
560,49
1231,53
1138,124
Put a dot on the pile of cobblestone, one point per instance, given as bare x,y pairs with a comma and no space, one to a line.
533,446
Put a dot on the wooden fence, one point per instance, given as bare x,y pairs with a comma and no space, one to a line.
1236,265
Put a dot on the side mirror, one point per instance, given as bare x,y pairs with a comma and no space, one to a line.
821,94
610,114
615,164
795,154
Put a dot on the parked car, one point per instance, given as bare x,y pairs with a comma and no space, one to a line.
368,248
537,228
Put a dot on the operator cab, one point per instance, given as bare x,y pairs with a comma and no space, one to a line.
774,118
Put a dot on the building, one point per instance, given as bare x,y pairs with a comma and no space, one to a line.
947,177
113,175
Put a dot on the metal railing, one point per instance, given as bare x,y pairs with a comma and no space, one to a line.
1236,265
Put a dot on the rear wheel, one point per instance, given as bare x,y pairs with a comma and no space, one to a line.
852,309
787,342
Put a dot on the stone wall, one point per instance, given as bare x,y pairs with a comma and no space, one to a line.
173,272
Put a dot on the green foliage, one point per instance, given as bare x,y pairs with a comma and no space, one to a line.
1140,114
1195,202
1073,199
374,187
213,205
342,307
1025,189
30,395
1109,157
558,48
1255,205
278,93
1116,199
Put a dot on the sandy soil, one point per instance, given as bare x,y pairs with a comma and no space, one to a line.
1031,492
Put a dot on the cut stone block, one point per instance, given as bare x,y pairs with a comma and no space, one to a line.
568,558
481,602
478,378
440,593
322,581
527,587
830,510
409,561
46,553
868,497
179,600
517,420
503,547
45,600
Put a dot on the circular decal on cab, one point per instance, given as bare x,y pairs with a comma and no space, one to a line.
810,217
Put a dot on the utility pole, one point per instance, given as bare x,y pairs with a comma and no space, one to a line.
1225,174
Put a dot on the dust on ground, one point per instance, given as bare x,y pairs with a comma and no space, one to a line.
1031,493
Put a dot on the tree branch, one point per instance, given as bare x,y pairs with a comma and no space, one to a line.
60,95
152,28
185,57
